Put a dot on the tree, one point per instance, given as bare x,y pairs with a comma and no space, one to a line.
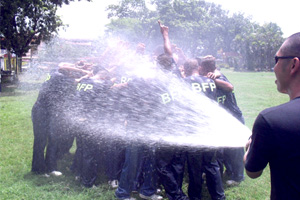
258,47
199,28
131,19
26,22
193,24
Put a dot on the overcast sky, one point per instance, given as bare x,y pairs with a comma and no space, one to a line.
87,19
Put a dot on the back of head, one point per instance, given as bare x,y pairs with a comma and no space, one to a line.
208,64
291,46
165,61
190,66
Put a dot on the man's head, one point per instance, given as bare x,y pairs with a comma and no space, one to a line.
208,64
190,66
165,62
287,66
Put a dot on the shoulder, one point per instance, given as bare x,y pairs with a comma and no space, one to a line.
279,118
281,109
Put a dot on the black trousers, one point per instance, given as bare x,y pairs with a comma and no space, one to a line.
92,152
60,138
39,117
170,168
114,158
200,162
90,162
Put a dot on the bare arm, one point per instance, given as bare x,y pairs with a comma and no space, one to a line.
251,174
214,75
167,44
72,68
181,55
224,85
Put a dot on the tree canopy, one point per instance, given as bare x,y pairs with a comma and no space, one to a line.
199,28
23,22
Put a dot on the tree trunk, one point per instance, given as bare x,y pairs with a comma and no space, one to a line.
19,63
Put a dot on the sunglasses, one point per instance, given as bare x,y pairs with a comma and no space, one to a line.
284,57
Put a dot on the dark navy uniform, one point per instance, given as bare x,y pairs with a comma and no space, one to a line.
49,122
202,85
232,158
40,117
142,103
170,160
60,138
94,102
115,155
203,161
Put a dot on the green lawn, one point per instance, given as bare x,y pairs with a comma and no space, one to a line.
254,92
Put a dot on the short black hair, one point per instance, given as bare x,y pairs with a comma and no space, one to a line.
189,66
165,61
208,63
291,46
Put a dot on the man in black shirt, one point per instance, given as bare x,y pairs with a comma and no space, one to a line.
276,132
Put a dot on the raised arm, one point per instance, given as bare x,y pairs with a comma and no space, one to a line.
167,44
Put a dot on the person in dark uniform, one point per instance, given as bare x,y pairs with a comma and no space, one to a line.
231,158
115,154
170,161
137,102
40,116
201,161
47,111
94,96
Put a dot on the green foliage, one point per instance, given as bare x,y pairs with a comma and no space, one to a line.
199,28
24,23
132,20
61,2
129,9
127,28
259,47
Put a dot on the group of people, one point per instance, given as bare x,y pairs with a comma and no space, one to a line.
103,106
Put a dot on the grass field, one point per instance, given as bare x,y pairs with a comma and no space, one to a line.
254,92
